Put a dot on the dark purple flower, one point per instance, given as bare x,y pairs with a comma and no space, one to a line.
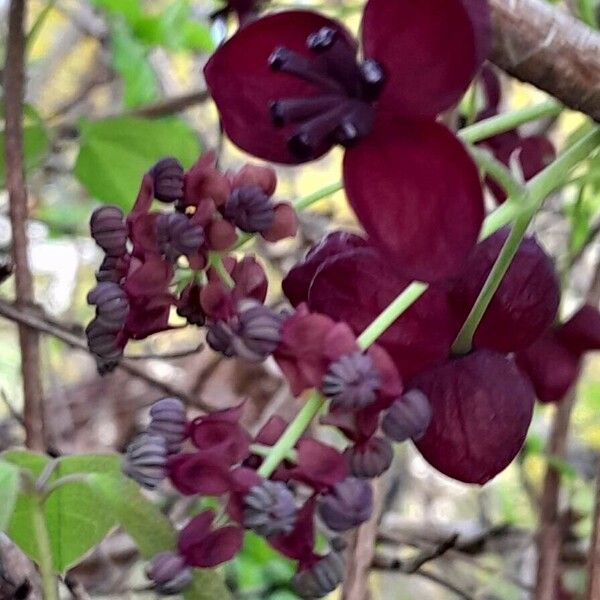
204,547
146,460
408,417
347,505
107,225
112,305
168,419
113,268
482,407
250,209
525,304
176,235
189,306
581,333
370,458
168,180
202,473
322,577
169,573
305,91
270,509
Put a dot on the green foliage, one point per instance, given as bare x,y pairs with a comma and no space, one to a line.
35,146
115,153
75,520
9,489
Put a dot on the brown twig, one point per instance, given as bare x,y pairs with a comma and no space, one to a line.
540,44
65,334
14,78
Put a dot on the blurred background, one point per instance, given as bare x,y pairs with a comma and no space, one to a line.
114,85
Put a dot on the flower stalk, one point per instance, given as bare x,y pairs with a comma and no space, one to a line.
49,580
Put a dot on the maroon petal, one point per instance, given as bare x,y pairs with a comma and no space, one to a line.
479,13
271,431
194,473
319,465
299,544
297,281
284,225
417,193
243,85
250,279
242,479
355,288
427,49
196,530
150,278
482,406
148,316
525,304
225,441
551,367
581,332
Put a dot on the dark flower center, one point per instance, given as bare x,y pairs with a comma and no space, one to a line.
342,111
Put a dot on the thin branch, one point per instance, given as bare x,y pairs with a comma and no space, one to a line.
14,79
65,334
549,48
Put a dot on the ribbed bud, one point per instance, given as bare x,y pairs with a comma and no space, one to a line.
408,417
370,459
322,578
176,235
113,268
104,345
253,334
189,306
107,226
250,209
168,420
169,573
270,509
349,504
146,459
112,305
168,180
351,381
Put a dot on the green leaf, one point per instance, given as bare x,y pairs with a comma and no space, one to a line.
74,519
129,58
9,489
151,530
563,467
115,153
35,148
129,9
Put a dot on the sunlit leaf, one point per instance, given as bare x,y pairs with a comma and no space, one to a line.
9,488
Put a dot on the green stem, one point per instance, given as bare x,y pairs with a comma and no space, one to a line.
497,171
216,262
40,529
292,434
263,450
310,199
506,213
530,201
414,291
505,122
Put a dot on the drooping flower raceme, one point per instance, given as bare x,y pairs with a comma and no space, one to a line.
410,181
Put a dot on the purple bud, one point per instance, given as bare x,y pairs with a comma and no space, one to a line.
104,345
270,509
252,334
322,578
250,209
113,269
177,235
347,505
169,573
112,305
370,459
189,306
107,226
408,417
168,180
168,420
351,381
146,460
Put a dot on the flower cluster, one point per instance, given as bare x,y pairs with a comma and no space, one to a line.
145,249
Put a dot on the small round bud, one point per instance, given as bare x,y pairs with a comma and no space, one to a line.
370,459
408,417
322,578
104,345
351,381
176,235
169,573
112,305
349,504
107,226
250,209
168,180
146,459
219,337
168,420
270,509
113,269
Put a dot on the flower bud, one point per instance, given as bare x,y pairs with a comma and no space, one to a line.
349,504
250,209
322,578
168,180
351,381
112,305
113,269
408,417
168,420
176,235
270,509
169,573
370,459
107,226
146,459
